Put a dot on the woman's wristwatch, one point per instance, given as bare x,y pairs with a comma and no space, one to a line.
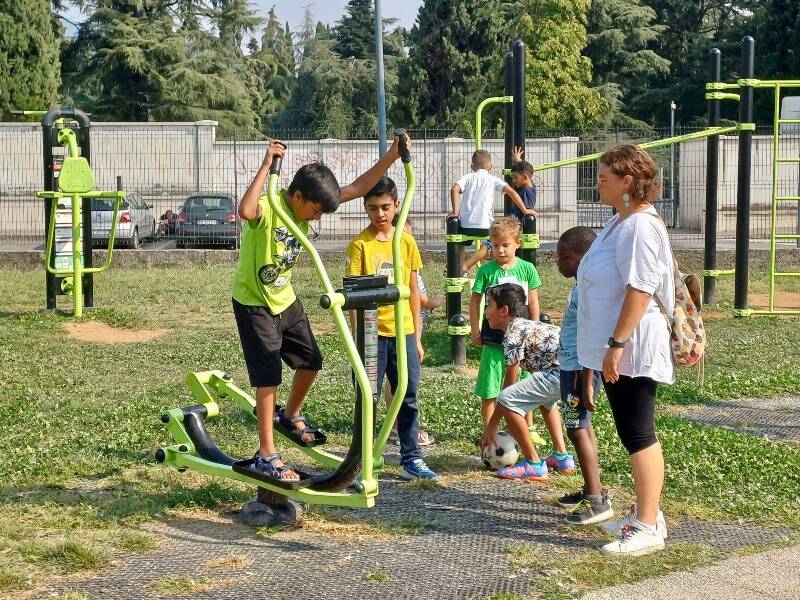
612,343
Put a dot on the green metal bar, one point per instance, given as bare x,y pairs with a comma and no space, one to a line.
784,83
479,112
787,236
788,121
336,303
696,135
722,96
77,253
222,384
718,272
187,460
789,160
112,236
399,317
714,85
786,274
772,312
787,198
773,213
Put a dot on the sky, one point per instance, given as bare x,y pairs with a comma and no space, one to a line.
327,11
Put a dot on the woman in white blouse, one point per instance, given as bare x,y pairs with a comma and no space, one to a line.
622,330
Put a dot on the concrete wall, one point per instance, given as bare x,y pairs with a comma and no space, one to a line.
165,162
692,185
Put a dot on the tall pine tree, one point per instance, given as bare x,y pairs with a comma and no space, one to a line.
457,49
355,31
619,34
29,56
692,29
138,61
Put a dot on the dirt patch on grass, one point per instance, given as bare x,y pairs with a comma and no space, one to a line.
99,332
790,300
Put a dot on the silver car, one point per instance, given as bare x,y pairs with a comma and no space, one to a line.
135,222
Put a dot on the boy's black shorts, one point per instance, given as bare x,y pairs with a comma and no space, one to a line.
267,338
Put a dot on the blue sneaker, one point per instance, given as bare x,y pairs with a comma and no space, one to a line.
417,469
565,465
524,470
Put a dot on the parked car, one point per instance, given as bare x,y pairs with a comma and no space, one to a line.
135,221
207,218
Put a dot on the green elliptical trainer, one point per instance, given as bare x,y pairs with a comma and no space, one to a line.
279,500
75,182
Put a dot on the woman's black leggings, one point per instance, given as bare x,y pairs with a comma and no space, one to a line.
633,404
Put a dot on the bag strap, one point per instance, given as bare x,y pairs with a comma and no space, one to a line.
676,273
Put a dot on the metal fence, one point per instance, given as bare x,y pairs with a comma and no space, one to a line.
185,183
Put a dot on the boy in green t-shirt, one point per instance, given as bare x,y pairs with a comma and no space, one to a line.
370,253
505,268
272,324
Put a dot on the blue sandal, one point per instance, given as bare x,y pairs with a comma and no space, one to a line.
286,425
266,465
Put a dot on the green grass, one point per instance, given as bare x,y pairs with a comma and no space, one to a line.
563,573
79,421
181,586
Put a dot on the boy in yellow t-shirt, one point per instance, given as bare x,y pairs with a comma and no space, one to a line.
370,253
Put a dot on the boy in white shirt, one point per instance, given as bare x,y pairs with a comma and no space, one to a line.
472,198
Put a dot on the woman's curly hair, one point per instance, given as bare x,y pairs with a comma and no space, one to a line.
627,159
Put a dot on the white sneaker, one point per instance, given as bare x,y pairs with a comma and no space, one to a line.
615,527
636,539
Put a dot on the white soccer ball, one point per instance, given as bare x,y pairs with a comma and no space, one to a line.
502,453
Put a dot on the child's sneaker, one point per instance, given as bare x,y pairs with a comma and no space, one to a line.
525,470
590,510
416,469
571,500
614,527
561,462
636,539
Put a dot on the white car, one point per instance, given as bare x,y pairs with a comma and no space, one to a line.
135,221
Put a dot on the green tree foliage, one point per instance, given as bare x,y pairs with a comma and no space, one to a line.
334,94
271,69
135,60
456,53
693,28
29,61
619,34
557,75
355,31
777,27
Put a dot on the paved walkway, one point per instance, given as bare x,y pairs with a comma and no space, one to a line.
774,574
777,419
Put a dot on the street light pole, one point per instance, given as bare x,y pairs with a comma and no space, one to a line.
672,108
379,79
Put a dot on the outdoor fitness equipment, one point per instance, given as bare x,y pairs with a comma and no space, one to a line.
278,500
71,275
717,91
455,283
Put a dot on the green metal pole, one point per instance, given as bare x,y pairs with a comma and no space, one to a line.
77,257
479,112
773,213
696,135
336,303
399,307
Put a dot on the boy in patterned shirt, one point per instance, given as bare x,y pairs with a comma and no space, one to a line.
531,345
